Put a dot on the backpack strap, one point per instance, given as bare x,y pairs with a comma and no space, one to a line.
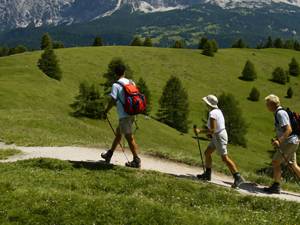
118,96
276,119
119,83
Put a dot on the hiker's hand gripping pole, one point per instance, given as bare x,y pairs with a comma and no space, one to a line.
198,141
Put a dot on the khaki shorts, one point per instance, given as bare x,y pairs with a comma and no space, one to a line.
125,125
219,142
289,151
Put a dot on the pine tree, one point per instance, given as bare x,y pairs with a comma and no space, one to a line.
269,43
110,75
4,51
174,105
89,102
98,41
145,90
249,72
260,45
294,68
208,49
148,42
179,44
290,93
239,44
296,45
136,41
289,44
254,95
235,122
214,45
280,76
48,63
46,41
202,42
278,43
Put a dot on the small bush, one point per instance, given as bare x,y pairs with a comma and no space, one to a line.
136,41
208,49
179,44
280,76
148,42
254,95
98,41
290,93
294,68
249,72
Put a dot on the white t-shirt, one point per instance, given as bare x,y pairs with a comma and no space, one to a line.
283,120
218,116
117,93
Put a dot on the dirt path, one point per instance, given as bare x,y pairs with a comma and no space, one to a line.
148,163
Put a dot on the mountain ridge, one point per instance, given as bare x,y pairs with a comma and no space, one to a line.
37,13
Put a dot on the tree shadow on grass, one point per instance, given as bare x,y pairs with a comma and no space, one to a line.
243,79
92,165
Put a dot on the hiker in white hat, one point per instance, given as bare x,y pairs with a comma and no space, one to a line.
216,129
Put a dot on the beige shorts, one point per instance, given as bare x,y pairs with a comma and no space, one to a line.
289,152
125,125
219,142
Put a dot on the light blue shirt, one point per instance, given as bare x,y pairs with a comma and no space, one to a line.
283,120
117,93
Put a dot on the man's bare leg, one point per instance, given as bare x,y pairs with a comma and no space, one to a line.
132,144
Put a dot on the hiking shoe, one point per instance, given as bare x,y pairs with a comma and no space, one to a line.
107,155
135,163
273,189
238,180
206,176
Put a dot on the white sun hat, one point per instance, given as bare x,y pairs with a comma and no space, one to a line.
211,100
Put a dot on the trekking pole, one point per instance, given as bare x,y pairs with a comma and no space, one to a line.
123,150
198,141
289,166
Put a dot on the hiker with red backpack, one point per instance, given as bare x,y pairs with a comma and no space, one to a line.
286,143
129,102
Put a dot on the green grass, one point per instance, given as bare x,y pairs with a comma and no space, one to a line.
35,109
47,191
6,153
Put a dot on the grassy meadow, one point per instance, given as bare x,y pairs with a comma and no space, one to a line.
35,111
47,191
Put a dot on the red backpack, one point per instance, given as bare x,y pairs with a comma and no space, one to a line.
135,101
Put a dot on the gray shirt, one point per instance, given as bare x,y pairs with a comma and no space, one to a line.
283,120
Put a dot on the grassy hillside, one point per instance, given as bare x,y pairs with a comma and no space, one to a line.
34,110
45,191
